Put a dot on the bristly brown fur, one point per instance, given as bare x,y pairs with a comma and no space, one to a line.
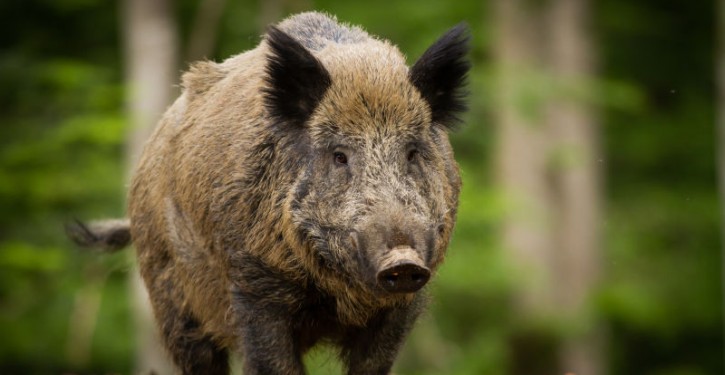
201,77
273,187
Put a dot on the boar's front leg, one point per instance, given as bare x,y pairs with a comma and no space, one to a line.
262,302
193,352
372,349
191,349
266,340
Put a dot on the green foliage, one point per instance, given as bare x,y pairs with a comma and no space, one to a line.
60,153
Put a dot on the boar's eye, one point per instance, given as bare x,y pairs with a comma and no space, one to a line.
412,155
340,158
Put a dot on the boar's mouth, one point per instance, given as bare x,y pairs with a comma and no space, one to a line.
334,251
396,270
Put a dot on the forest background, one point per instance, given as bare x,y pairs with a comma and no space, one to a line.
589,233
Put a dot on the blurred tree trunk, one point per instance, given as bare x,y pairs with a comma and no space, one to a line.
84,316
521,149
522,141
577,175
522,175
546,165
150,41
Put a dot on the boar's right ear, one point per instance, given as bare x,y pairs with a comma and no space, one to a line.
440,76
296,80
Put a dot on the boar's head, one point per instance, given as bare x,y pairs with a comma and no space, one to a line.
374,186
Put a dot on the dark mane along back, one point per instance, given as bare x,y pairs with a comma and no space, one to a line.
315,30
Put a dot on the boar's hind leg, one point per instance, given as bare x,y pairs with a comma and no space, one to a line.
191,350
372,349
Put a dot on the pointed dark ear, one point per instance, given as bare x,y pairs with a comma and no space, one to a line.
440,76
296,80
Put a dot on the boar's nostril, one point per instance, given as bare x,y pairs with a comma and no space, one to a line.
391,278
417,277
403,278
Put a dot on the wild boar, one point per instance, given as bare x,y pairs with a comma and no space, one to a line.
301,192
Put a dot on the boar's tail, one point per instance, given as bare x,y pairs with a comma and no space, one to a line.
105,235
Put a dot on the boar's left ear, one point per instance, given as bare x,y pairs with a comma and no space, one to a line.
296,80
440,76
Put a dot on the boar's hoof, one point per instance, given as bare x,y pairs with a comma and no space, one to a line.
404,277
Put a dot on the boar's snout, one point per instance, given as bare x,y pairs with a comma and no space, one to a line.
402,271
